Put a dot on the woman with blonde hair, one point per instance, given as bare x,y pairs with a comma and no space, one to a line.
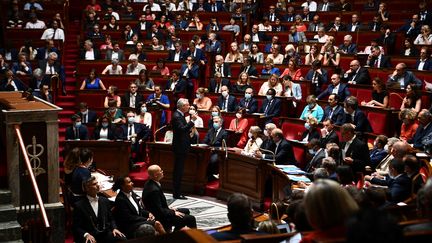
322,197
242,83
254,142
234,54
201,101
409,125
272,83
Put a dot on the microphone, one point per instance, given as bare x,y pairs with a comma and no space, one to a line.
158,130
273,159
224,147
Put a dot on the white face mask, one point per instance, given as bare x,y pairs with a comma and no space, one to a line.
192,112
224,93
238,115
249,135
386,148
266,133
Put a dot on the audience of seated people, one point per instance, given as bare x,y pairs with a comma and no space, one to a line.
419,135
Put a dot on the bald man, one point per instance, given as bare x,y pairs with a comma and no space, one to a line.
154,201
356,74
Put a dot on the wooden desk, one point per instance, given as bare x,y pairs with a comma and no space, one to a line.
109,156
194,176
239,173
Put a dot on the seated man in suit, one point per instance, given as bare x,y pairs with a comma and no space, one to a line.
221,67
248,67
197,54
77,131
226,101
154,201
92,218
268,143
178,54
12,83
214,138
317,76
217,82
378,153
176,84
328,134
249,102
355,116
316,153
135,132
51,66
401,77
424,62
283,153
336,87
114,53
397,181
334,111
42,52
87,115
423,131
132,98
355,152
22,67
295,36
348,47
271,106
240,217
377,59
356,74
88,52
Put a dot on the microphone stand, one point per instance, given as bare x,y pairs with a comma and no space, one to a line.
157,131
270,152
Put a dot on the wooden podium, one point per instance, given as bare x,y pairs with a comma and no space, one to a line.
38,122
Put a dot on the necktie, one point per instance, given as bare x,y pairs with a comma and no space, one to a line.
324,8
130,130
77,135
374,27
376,63
217,88
246,103
214,137
51,69
214,7
53,36
218,69
267,107
85,118
225,104
331,113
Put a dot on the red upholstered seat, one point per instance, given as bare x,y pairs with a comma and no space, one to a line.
395,100
292,131
300,155
363,95
379,122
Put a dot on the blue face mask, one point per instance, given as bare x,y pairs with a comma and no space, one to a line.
248,96
198,96
131,120
215,113
77,124
307,126
269,97
143,109
216,126
105,124
311,106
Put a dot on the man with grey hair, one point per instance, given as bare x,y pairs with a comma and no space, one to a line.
88,52
51,66
181,143
400,150
38,80
221,67
423,133
134,67
348,47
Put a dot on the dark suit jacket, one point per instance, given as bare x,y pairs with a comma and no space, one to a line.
126,215
141,130
232,103
20,85
408,77
91,116
226,70
384,63
179,88
342,27
155,202
338,115
359,152
95,51
171,55
399,188
112,134
158,34
315,161
212,85
350,49
322,78
360,121
85,220
284,153
314,134
126,100
193,73
261,36
252,71
199,55
40,55
58,68
251,107
208,7
372,24
332,137
181,129
360,77
426,66
376,156
83,133
108,55
419,135
343,91
213,141
273,109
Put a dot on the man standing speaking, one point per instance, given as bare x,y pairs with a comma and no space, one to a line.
181,143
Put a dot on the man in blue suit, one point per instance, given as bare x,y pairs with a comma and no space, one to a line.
227,102
197,54
11,83
401,77
336,87
425,129
334,111
249,102
348,47
176,84
271,106
214,6
214,137
135,132
87,115
77,131
424,62
42,52
355,116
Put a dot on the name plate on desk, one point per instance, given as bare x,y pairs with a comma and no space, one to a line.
199,145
